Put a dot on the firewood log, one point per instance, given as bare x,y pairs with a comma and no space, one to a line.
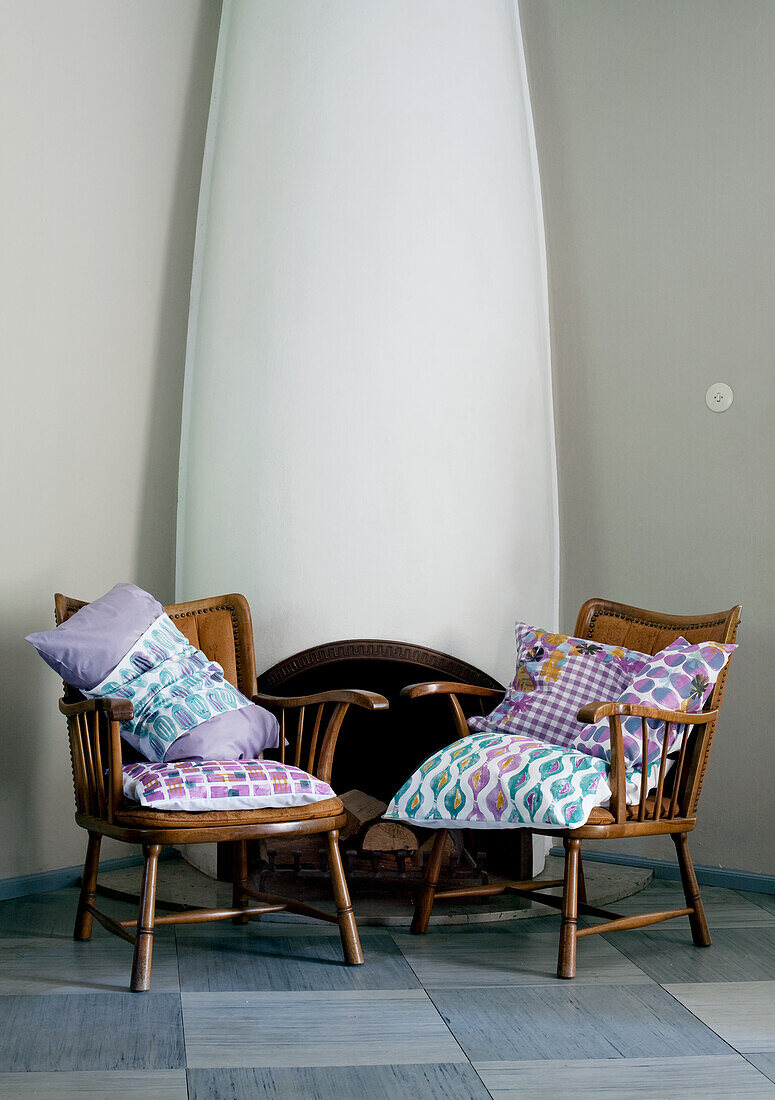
389,836
361,809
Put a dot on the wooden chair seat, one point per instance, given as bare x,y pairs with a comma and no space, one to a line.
670,811
221,627
600,816
129,813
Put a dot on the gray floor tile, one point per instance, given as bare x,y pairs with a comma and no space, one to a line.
91,1031
53,915
315,1029
100,965
763,901
742,1013
572,1021
700,1078
288,963
723,908
765,1063
40,915
95,1085
666,953
420,1082
527,959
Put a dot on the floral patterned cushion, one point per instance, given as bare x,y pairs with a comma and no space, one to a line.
679,677
507,781
222,785
556,675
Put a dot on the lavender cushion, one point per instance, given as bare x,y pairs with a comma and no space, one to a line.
236,735
111,645
88,645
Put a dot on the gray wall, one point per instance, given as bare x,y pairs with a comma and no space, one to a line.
103,110
657,154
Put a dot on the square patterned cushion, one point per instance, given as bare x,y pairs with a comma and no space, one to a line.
679,677
222,785
556,676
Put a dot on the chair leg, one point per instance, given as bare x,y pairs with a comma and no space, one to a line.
348,930
424,906
83,918
582,882
141,963
698,921
566,959
239,897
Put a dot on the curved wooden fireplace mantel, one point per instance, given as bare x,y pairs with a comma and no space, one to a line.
375,650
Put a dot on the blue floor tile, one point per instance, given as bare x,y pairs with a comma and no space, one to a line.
277,963
572,1021
91,1031
420,1082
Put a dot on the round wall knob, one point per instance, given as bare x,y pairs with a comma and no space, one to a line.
719,397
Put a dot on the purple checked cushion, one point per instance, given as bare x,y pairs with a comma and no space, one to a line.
679,677
222,785
556,675
88,645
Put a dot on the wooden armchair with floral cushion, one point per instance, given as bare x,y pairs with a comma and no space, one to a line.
669,783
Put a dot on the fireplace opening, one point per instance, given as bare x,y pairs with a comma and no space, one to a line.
376,753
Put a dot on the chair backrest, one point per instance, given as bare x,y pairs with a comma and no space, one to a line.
649,631
220,626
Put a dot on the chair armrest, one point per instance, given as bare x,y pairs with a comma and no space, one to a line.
98,782
593,712
341,700
614,712
452,690
443,687
117,709
368,699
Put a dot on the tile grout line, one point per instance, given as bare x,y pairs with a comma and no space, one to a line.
182,1017
750,1063
436,1010
704,1024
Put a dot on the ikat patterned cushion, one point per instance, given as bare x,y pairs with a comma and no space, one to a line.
222,785
556,675
174,689
507,781
679,677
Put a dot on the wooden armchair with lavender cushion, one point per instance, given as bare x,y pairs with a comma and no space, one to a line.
152,798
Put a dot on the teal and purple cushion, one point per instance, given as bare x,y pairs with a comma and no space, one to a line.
507,781
178,693
502,781
222,785
680,678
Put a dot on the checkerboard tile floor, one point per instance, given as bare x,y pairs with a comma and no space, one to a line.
473,1012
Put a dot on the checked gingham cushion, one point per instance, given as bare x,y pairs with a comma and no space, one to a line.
221,785
556,676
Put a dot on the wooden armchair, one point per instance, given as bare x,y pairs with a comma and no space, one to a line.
221,627
670,810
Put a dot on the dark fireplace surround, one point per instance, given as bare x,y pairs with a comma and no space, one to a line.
378,750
